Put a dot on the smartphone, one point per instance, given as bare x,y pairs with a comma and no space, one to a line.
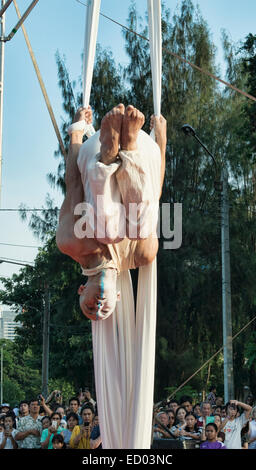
87,423
54,424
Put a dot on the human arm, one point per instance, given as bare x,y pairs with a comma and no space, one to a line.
76,436
46,408
45,438
247,408
160,128
23,434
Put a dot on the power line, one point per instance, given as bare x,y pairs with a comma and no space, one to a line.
16,261
178,57
22,246
29,210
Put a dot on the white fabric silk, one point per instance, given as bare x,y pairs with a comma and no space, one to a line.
124,347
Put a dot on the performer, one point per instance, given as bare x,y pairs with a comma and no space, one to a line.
118,166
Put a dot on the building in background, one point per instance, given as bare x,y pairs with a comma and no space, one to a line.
8,324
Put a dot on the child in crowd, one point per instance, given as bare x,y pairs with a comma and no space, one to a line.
211,432
7,436
58,442
191,430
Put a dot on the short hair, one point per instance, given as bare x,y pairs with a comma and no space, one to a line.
186,398
74,399
213,387
213,425
45,417
33,400
72,414
24,401
205,403
55,413
58,438
10,415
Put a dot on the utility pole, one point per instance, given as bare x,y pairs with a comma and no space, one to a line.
226,292
46,334
2,45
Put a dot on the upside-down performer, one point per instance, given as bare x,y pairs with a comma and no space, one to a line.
118,173
119,164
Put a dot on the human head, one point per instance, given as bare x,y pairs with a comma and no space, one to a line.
213,389
24,408
74,404
206,408
217,410
173,405
171,415
223,412
58,442
5,408
87,413
34,406
163,417
46,422
9,420
96,420
211,431
180,414
191,420
217,420
72,420
231,410
60,410
186,401
56,417
197,410
99,295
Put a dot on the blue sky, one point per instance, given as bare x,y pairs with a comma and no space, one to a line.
29,140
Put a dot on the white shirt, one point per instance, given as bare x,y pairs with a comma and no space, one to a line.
232,432
252,434
8,444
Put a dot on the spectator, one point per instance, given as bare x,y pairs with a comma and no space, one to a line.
5,408
173,405
211,397
223,413
211,442
250,400
74,406
219,401
217,421
58,442
180,423
72,421
95,439
54,399
197,410
186,402
245,439
85,397
46,422
61,411
206,411
30,427
217,410
191,431
232,425
23,409
7,436
48,433
252,430
159,432
171,415
80,438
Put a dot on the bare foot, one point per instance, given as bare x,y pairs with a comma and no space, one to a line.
160,127
110,131
133,121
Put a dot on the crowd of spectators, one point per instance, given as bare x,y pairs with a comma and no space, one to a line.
209,424
48,424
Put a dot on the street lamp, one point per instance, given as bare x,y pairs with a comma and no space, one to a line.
226,282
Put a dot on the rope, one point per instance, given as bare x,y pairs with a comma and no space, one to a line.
247,95
205,363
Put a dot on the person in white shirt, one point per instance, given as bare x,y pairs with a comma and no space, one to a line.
7,436
232,425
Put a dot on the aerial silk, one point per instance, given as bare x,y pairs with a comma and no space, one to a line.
124,343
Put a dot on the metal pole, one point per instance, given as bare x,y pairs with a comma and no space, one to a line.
226,292
46,331
18,25
5,6
2,23
2,374
41,83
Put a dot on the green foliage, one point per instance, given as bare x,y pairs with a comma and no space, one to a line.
189,279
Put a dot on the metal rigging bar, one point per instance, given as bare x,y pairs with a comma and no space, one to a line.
4,7
20,22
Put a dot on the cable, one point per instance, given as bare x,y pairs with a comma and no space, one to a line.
29,210
178,57
22,246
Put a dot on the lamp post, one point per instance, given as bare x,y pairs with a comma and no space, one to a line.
226,282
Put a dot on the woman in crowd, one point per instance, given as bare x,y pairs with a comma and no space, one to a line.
48,433
7,436
197,410
178,428
218,421
72,421
191,430
211,432
46,422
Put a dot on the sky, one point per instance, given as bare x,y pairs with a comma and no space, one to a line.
29,139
